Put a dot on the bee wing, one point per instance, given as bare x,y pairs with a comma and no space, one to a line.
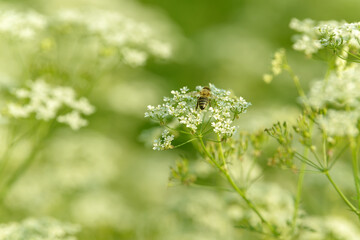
213,96
194,94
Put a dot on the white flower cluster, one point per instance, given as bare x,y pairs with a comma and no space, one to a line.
340,94
48,102
164,142
340,123
136,41
340,34
308,39
340,90
21,25
331,227
182,106
327,34
39,229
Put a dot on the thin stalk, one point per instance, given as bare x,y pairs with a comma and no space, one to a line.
201,129
324,151
355,165
300,186
338,156
16,175
25,164
181,144
298,194
316,157
341,194
221,152
5,157
173,129
307,161
237,189
351,54
296,80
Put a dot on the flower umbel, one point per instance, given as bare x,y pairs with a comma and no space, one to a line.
48,102
181,107
164,142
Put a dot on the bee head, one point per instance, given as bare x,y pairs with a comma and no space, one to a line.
207,88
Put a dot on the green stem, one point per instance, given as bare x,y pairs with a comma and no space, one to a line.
325,151
16,175
298,195
221,152
353,55
296,80
297,84
236,188
25,164
5,157
181,144
355,165
300,185
350,205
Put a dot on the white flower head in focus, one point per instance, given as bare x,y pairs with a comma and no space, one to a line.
220,116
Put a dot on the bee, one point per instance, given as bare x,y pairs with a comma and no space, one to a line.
204,98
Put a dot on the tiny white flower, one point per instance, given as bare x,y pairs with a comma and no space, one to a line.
134,57
160,49
164,142
73,119
18,111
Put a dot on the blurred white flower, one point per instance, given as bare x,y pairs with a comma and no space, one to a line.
73,119
133,57
46,102
21,25
341,89
136,40
340,123
278,61
277,65
340,94
308,41
86,163
160,49
207,212
103,208
39,229
276,205
323,228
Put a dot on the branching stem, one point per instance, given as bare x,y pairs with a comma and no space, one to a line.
342,195
242,194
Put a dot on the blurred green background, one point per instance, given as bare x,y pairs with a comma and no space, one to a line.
107,178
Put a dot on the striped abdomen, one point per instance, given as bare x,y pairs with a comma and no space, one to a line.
203,102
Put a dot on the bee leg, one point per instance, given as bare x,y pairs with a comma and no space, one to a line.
197,105
209,103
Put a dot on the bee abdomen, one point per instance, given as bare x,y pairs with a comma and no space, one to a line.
203,101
